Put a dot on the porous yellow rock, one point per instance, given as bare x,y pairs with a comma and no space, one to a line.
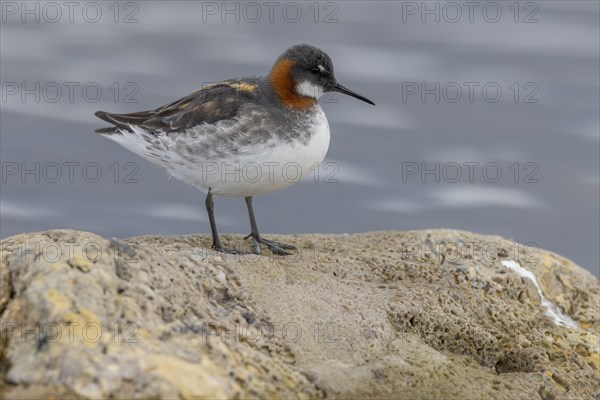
408,315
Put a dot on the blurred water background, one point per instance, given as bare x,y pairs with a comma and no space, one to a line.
487,116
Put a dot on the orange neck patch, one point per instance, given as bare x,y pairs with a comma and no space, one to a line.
281,78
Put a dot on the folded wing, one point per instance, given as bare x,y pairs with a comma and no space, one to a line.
208,105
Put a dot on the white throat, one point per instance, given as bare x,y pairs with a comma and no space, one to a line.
310,90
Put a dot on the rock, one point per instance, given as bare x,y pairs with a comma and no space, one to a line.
415,315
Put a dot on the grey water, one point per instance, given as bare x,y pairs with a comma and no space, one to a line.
487,118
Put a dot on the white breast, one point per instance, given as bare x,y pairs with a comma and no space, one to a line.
277,167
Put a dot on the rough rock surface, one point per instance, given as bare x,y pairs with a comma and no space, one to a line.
411,315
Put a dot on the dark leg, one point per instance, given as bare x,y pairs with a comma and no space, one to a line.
275,247
210,209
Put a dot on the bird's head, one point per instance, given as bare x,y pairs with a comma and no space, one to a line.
303,73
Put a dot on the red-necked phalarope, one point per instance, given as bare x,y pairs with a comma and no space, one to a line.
240,137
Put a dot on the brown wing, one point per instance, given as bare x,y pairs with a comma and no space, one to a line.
208,105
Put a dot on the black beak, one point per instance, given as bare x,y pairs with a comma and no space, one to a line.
342,89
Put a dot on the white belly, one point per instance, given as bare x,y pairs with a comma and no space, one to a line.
259,170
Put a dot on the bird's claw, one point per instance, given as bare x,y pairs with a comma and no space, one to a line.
226,250
275,247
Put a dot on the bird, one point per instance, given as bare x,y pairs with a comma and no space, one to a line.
240,137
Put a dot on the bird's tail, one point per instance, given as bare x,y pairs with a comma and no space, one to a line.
103,115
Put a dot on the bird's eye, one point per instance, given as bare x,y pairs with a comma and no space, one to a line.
316,71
